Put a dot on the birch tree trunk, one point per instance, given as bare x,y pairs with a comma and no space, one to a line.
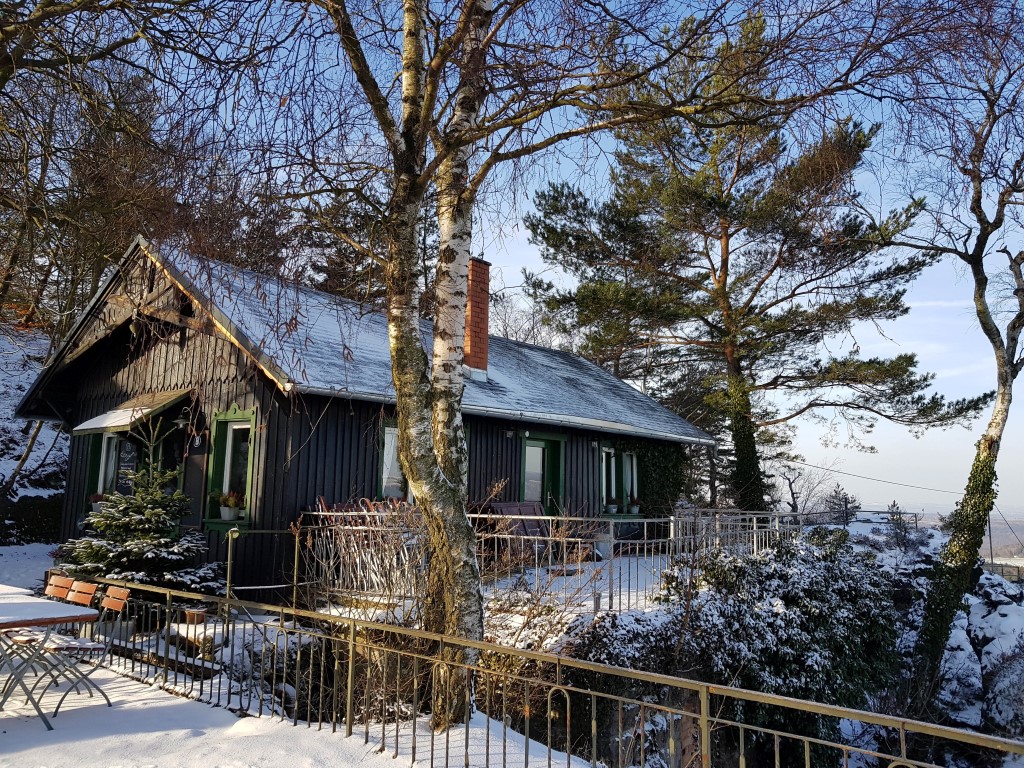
431,436
478,85
952,578
454,599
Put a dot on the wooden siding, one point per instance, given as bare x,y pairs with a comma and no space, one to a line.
304,447
496,451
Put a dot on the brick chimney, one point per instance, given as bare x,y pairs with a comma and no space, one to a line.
477,300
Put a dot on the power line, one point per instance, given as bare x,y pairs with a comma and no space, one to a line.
1007,525
907,485
873,479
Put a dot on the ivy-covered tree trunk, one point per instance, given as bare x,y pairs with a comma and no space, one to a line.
747,480
952,575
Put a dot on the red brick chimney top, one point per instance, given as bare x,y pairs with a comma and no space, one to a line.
477,301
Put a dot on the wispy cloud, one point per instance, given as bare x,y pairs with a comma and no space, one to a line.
940,304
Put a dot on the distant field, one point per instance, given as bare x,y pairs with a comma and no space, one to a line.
1007,538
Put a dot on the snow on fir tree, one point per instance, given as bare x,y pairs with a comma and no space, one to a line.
138,537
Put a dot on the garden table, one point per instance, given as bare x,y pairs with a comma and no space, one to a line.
31,612
7,592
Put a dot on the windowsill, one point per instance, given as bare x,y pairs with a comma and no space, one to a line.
217,524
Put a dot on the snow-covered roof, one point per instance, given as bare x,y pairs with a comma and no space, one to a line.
131,412
310,341
325,345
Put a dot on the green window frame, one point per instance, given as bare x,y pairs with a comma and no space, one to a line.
226,428
553,469
619,475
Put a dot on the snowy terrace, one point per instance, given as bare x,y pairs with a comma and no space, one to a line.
376,554
359,693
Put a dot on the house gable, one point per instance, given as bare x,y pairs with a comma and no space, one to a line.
140,292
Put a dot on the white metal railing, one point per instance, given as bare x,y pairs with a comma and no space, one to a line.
376,551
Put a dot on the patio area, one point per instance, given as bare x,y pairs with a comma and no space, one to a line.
374,553
150,728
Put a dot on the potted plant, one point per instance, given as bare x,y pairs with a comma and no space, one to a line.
634,504
231,505
611,507
95,500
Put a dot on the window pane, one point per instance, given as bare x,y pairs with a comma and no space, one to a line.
533,470
392,480
610,487
236,462
108,468
127,461
628,486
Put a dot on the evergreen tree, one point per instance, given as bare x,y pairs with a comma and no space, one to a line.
840,506
137,536
899,527
732,248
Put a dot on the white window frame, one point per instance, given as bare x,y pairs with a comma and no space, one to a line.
229,443
389,431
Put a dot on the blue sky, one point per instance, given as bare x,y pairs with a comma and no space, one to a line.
942,330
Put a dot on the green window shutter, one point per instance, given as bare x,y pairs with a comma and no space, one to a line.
94,445
220,425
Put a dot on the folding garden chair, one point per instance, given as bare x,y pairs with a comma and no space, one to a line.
62,653
57,587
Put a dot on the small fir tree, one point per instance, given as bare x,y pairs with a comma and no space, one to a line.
840,506
900,534
137,536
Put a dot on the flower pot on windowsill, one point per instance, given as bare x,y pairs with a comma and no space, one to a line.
229,513
611,509
96,506
634,509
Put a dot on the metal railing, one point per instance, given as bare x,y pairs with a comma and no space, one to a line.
1014,573
381,683
370,555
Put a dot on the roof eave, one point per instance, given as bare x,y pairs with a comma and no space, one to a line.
61,352
532,417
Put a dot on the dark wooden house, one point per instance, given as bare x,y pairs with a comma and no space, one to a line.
282,394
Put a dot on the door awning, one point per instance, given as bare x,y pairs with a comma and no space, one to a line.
131,412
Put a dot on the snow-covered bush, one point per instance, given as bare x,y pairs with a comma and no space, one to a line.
811,619
1004,695
642,640
138,537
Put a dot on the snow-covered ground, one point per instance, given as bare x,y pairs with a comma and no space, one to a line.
25,566
150,728
147,727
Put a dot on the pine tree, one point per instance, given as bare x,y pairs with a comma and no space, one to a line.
840,506
737,250
899,527
137,536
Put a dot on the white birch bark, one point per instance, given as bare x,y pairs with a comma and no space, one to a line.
454,211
